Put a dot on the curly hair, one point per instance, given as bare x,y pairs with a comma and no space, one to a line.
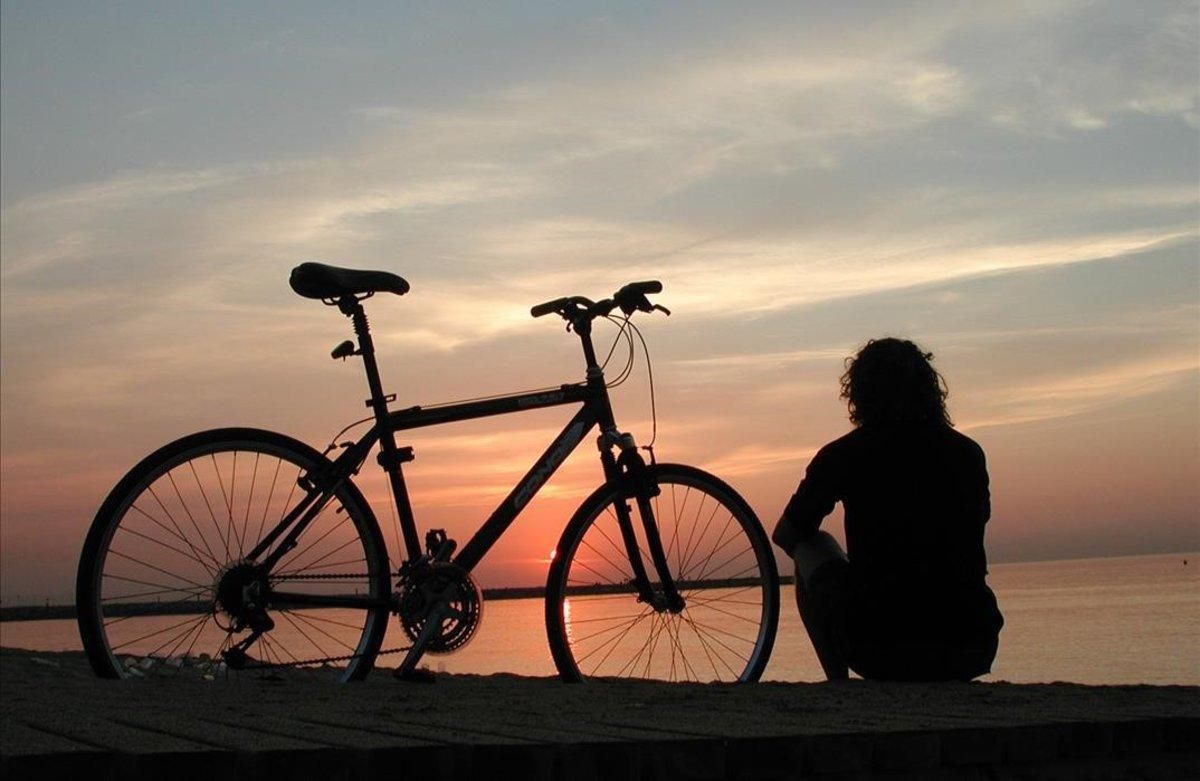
892,381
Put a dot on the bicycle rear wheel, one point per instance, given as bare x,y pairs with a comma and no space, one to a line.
164,570
722,565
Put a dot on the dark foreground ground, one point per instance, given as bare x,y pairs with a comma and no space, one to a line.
57,721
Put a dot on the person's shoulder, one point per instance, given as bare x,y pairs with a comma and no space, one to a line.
852,438
962,442
847,443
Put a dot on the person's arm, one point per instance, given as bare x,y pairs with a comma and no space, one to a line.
814,499
985,509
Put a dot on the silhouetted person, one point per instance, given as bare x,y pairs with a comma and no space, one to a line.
909,601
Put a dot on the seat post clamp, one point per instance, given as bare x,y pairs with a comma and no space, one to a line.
402,456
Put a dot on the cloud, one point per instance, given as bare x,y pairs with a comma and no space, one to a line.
1081,392
1014,184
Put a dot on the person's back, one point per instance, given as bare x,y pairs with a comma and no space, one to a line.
913,602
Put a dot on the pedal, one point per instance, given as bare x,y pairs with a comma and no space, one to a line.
439,546
433,625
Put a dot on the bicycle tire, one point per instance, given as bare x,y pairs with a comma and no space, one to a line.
181,519
723,566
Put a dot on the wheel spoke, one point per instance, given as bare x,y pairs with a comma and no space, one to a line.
687,560
262,522
178,533
186,555
624,575
168,573
338,549
696,628
703,563
715,631
208,504
192,518
157,632
617,641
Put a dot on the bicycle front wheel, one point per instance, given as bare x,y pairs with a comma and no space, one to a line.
721,563
165,583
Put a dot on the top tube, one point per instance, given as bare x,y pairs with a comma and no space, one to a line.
419,417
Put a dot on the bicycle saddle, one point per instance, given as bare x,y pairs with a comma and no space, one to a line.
317,280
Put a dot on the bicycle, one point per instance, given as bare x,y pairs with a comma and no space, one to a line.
244,551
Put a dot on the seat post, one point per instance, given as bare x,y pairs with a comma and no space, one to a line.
352,308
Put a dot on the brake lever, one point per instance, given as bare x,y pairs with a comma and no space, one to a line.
639,304
661,308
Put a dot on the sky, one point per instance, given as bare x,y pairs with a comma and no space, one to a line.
1015,186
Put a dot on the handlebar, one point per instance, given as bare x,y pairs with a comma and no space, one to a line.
558,305
630,298
653,286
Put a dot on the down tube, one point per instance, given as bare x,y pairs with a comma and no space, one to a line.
503,516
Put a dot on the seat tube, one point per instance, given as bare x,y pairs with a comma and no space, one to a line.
389,457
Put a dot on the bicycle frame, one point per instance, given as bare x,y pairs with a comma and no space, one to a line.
182,534
596,410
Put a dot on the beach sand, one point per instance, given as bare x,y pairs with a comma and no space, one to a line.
53,710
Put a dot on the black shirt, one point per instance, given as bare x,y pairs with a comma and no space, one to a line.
916,500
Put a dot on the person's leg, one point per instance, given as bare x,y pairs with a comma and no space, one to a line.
822,586
909,661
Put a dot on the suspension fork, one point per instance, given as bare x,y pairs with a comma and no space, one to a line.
629,471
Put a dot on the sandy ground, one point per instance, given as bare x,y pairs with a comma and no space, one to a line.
52,702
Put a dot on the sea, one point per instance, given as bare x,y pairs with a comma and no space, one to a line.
1125,620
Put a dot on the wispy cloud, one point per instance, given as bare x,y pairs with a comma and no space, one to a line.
1015,184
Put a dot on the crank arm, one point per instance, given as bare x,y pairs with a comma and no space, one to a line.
433,625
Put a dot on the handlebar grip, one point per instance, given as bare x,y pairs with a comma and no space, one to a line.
652,286
548,307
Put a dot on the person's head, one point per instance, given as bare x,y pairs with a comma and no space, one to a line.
892,381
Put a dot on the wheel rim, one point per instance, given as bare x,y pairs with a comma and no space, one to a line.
171,569
717,555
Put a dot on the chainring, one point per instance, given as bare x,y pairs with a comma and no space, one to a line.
438,581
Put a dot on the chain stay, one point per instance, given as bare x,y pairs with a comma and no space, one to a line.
324,659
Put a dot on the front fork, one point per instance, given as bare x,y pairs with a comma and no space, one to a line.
629,471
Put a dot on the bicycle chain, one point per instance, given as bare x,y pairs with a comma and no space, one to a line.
326,659
352,576
323,660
